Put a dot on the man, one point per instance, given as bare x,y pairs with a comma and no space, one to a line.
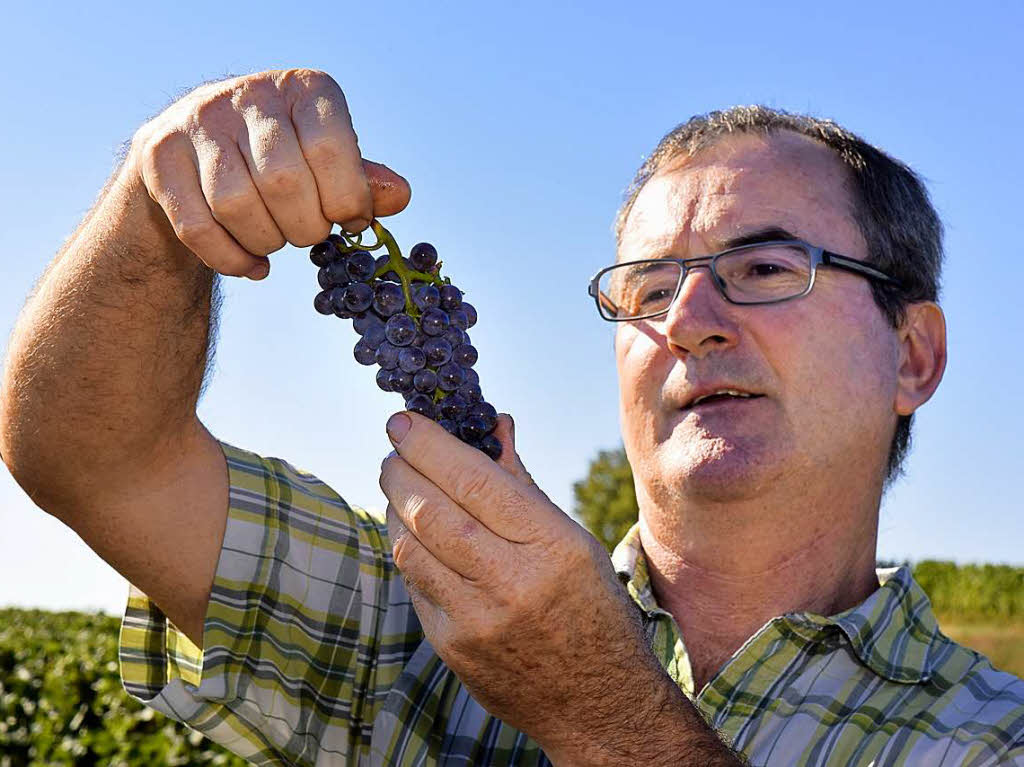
766,394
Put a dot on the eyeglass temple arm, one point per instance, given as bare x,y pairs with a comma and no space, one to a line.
854,265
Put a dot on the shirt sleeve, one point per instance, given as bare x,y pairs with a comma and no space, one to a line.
299,613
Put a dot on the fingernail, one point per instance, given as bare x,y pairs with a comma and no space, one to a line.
398,426
355,225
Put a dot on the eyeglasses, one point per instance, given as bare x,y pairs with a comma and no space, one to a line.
762,273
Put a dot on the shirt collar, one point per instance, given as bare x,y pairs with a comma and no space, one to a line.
893,632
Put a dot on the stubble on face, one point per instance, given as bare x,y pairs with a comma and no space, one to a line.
821,361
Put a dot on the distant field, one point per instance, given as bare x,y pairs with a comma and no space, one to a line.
1001,643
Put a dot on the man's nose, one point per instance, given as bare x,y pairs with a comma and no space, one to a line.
698,320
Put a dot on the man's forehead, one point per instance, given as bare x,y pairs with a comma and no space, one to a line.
741,184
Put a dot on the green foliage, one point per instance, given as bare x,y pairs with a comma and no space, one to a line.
606,499
62,703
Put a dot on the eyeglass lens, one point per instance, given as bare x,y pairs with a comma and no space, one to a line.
759,273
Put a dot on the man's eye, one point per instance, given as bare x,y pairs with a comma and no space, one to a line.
656,296
767,269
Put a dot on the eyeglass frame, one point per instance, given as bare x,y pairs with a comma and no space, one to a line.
817,255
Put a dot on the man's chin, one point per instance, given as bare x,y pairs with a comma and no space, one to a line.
719,469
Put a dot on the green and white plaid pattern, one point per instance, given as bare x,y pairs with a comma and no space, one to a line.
314,656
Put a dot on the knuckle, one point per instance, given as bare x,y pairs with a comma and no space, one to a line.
282,179
194,230
419,518
229,203
349,204
325,151
469,483
402,550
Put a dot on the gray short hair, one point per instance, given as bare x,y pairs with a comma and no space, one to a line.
891,207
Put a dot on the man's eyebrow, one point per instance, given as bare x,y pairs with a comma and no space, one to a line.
760,235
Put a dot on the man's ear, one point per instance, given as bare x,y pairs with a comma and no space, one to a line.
922,338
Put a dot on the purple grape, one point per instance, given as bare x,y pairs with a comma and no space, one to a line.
360,265
322,278
400,381
470,392
425,380
322,302
387,356
426,297
455,336
336,274
422,404
383,377
450,377
471,316
451,297
465,355
366,320
438,351
364,354
337,299
491,446
449,426
485,412
323,252
374,336
357,296
400,329
472,429
388,299
472,377
423,256
411,359
453,406
434,322
458,318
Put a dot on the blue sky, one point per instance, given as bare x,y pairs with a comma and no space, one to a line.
518,129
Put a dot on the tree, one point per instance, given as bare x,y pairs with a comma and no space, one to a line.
606,499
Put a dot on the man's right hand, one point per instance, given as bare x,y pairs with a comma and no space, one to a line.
242,166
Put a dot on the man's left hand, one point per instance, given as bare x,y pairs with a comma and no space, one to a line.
518,600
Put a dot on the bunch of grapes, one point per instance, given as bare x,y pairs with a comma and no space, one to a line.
412,325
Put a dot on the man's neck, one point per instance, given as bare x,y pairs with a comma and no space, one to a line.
723,572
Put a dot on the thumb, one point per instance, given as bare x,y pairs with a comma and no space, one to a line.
390,191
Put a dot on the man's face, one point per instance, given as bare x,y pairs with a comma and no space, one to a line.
824,364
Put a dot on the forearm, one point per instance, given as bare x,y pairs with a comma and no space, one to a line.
106,361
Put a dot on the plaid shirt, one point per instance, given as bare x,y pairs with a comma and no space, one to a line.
314,656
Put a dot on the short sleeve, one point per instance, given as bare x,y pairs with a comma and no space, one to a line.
299,614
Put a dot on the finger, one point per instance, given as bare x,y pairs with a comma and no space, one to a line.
279,171
452,535
323,126
421,571
170,170
232,197
507,505
391,191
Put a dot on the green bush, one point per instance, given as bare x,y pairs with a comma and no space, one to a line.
62,703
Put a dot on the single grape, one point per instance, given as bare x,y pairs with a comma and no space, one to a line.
425,381
400,329
322,302
470,311
337,299
357,296
383,377
336,274
450,377
470,392
411,359
388,299
426,297
323,252
400,381
458,318
422,404
387,356
434,322
374,336
364,321
322,278
472,377
449,426
472,429
453,406
360,266
485,412
423,256
451,297
438,351
465,355
364,354
455,336
491,446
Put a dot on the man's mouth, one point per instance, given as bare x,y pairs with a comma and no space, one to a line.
720,395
